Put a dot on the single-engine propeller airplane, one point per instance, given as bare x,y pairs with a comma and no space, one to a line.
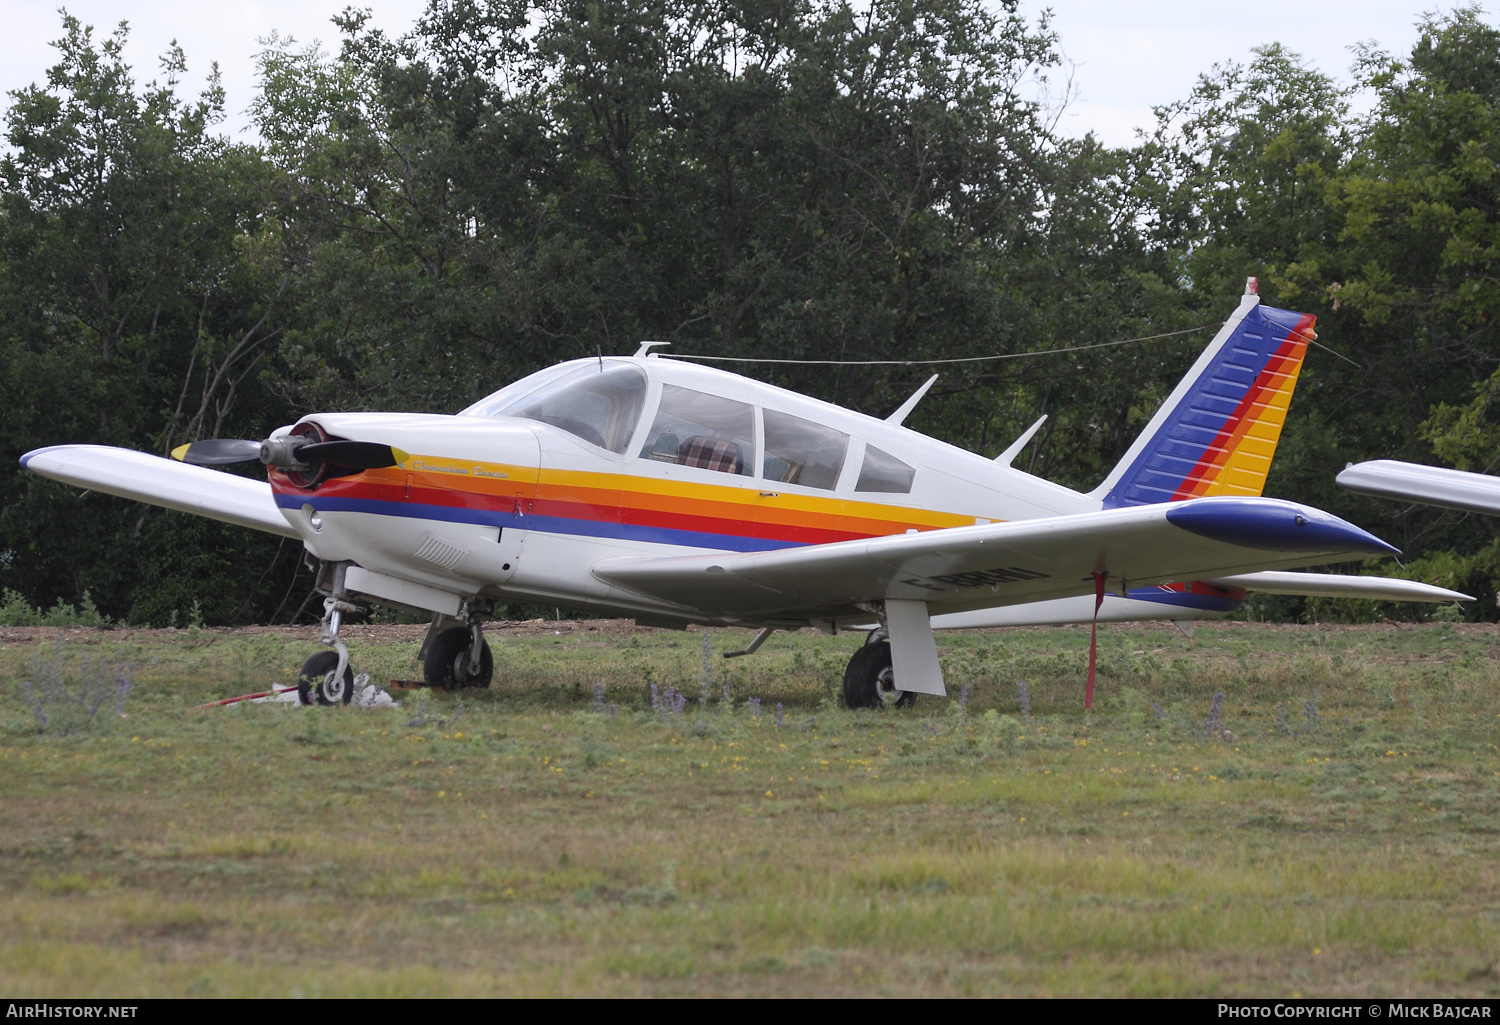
675,493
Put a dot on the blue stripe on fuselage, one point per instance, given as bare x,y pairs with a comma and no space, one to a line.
546,524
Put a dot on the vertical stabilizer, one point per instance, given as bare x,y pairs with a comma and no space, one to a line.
1217,431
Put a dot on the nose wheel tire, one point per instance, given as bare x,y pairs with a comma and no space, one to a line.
869,681
449,666
316,683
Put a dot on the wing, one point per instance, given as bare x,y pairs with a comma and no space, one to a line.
1430,485
164,482
963,568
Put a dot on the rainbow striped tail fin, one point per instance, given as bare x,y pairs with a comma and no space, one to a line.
1217,431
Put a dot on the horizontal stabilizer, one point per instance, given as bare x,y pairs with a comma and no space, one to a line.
1429,485
1339,585
1210,599
164,482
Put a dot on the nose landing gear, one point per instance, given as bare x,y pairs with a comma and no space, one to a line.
320,681
326,678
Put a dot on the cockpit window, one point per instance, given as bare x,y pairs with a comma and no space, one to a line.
693,428
799,451
884,472
601,406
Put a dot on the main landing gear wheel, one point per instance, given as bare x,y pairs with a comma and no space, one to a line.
869,681
316,682
448,664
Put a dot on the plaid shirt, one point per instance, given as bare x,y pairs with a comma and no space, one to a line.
711,454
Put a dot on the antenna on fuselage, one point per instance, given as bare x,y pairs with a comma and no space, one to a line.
1008,456
911,403
646,347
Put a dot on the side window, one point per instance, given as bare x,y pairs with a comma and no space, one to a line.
799,451
884,472
693,428
599,406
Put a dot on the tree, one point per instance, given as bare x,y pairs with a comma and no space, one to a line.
739,177
142,288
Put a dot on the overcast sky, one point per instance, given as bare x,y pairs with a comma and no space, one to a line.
1129,55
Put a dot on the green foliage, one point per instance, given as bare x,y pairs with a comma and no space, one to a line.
16,611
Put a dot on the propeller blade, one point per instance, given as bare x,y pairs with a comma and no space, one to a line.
218,452
356,455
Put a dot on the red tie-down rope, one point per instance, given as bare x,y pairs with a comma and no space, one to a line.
1088,694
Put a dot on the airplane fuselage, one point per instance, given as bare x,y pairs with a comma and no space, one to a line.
661,457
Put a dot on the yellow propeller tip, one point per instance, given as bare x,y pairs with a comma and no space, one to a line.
180,451
400,456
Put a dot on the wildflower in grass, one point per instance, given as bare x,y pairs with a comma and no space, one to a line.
754,708
599,696
1310,714
1023,692
963,700
780,716
706,679
1213,726
62,705
1156,706
667,702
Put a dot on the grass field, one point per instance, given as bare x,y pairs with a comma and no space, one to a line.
1329,827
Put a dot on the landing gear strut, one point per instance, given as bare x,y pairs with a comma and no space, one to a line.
869,681
326,678
458,656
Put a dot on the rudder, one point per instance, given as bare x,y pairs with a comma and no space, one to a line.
1217,432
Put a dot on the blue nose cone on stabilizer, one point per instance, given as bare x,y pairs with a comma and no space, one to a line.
1273,525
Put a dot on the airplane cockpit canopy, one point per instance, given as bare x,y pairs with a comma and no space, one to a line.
603,403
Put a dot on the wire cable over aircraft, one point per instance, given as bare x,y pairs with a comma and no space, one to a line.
677,493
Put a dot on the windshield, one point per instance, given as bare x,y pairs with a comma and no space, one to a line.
492,403
599,405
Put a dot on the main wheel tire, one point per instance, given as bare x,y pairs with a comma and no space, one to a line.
869,681
447,663
316,683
